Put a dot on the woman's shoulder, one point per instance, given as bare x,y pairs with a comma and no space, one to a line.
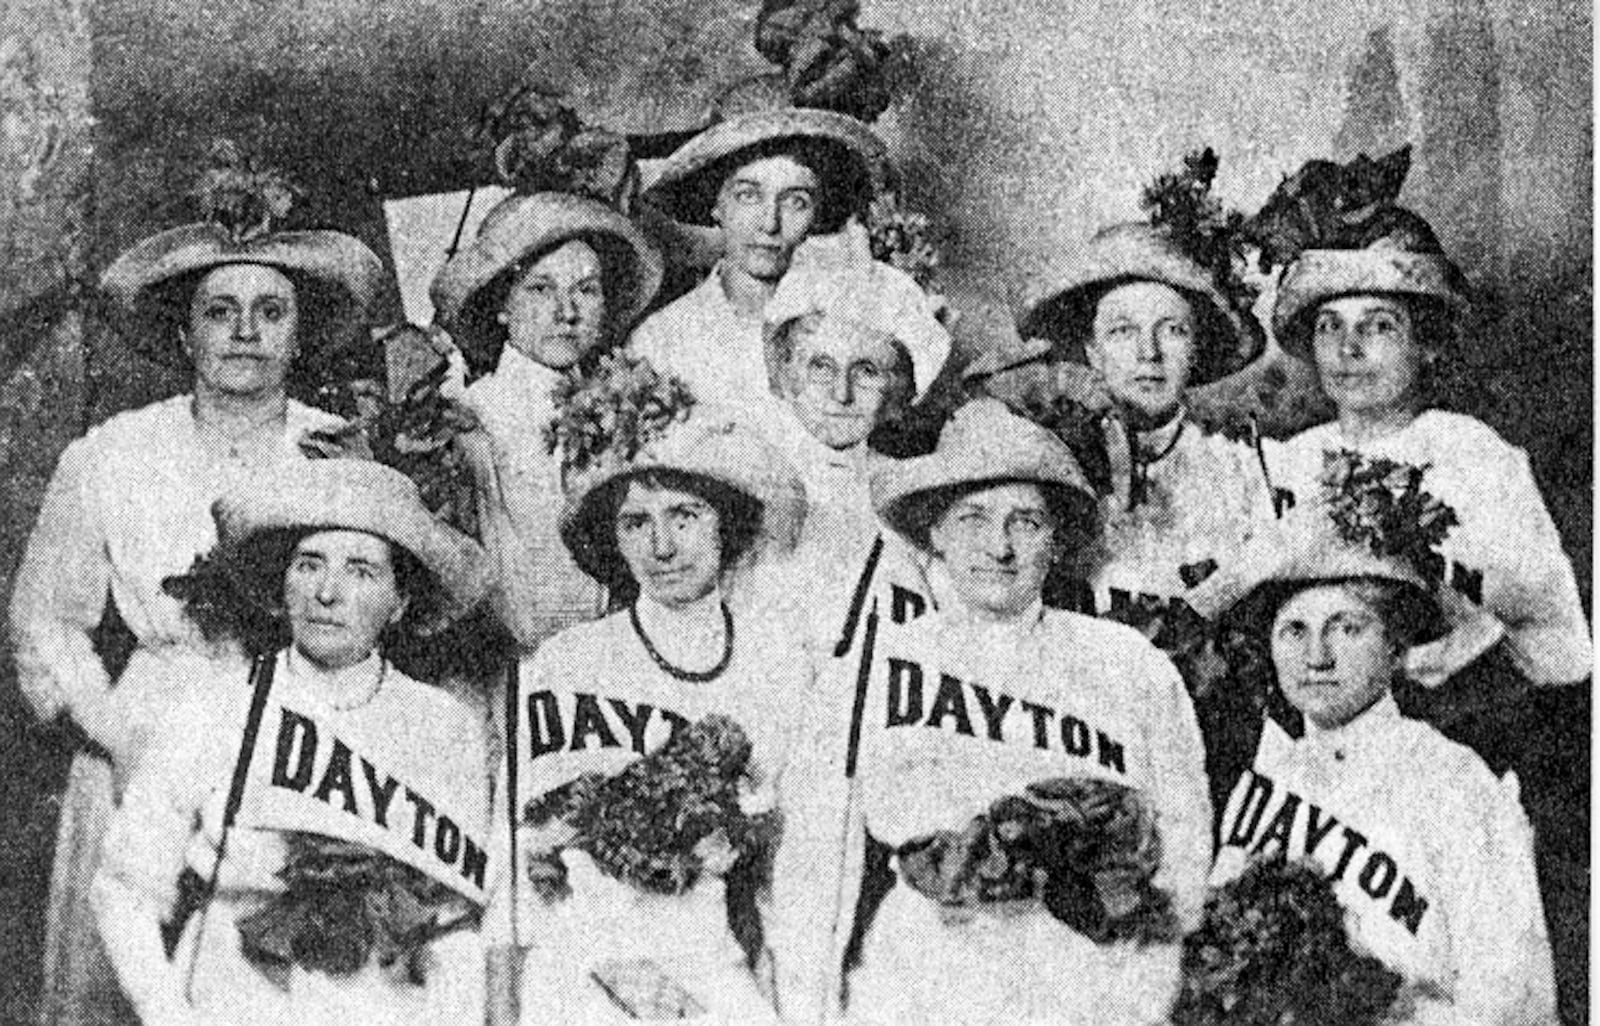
139,429
589,641
1107,643
1442,432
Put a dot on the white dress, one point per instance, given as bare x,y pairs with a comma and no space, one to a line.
592,700
961,713
409,733
1505,554
1430,855
129,504
539,590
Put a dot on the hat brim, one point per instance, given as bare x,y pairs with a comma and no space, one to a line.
354,495
1319,275
145,315
681,189
911,494
523,226
711,444
1064,310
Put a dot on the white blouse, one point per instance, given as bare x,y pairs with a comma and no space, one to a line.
539,589
1430,855
702,339
129,505
1505,553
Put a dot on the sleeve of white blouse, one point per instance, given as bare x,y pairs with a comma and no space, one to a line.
1182,796
1530,584
812,892
59,597
143,855
1497,929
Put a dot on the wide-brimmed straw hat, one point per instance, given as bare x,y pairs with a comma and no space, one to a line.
1299,551
332,258
983,443
1062,308
686,184
871,294
350,495
709,443
1404,263
525,225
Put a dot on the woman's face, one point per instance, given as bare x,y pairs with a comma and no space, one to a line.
1367,357
1333,656
671,542
556,309
997,545
839,380
341,591
243,329
765,209
1143,344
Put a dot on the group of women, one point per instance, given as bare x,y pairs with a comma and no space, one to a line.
926,795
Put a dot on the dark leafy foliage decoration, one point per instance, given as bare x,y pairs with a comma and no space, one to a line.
614,411
1085,848
1380,504
1272,950
1181,205
345,904
829,61
237,193
902,238
539,144
657,823
1325,205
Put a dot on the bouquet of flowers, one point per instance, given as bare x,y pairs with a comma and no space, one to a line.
615,411
1272,951
345,903
663,820
1085,848
1381,504
902,238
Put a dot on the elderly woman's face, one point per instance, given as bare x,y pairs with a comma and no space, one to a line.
839,380
671,542
341,591
997,544
243,329
765,209
1143,344
556,309
1368,360
1333,656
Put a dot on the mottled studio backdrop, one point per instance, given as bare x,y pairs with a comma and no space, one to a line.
1022,125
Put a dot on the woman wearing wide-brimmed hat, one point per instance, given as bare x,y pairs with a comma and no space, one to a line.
332,808
552,281
1033,776
1428,853
767,176
129,504
662,914
1131,326
1378,316
851,346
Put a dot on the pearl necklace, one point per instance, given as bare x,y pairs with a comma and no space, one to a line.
692,676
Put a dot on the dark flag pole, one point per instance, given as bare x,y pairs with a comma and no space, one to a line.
511,786
261,672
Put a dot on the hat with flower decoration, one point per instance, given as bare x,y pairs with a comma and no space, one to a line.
241,201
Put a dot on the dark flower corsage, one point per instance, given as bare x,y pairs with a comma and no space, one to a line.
615,411
1085,848
345,904
688,808
1380,504
1272,951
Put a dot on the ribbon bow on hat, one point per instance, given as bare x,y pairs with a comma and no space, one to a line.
836,276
